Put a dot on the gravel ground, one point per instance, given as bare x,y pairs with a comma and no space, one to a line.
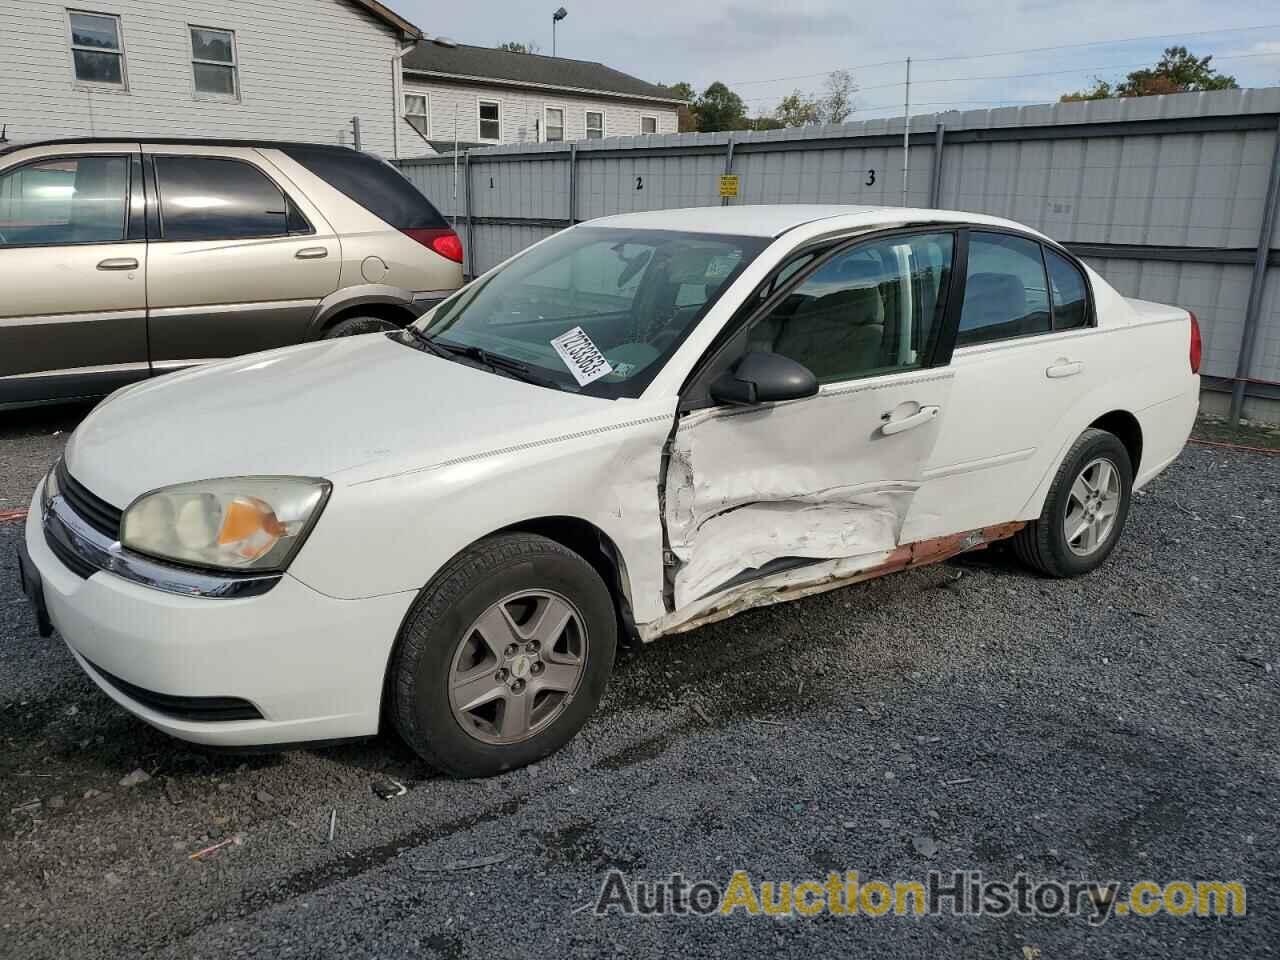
964,716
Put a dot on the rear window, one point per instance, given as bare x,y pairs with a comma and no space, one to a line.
374,184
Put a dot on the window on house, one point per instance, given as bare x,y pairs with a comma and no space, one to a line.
595,125
97,50
648,124
415,111
555,123
490,120
213,59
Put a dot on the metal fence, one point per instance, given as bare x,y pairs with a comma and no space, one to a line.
1170,198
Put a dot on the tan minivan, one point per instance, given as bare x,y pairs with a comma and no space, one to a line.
121,260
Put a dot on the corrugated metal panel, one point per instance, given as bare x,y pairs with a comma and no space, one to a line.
525,189
497,242
1216,293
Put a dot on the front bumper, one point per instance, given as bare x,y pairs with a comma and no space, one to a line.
310,665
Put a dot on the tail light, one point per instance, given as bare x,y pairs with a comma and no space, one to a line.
441,240
1197,345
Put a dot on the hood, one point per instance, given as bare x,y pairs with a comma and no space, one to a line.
347,410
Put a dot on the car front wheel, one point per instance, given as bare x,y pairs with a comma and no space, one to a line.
503,657
1085,510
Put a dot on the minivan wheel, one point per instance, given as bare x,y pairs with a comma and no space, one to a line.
1085,510
503,656
354,326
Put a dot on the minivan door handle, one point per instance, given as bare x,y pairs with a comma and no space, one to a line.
118,263
1062,367
312,253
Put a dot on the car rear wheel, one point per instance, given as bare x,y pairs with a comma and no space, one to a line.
1085,510
503,657
354,326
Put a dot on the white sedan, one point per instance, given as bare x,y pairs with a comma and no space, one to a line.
641,424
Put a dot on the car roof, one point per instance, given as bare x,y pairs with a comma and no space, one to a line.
772,220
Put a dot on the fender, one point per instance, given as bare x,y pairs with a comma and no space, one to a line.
359,295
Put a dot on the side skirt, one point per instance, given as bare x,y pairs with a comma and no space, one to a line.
821,576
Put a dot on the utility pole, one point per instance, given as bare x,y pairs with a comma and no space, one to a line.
906,134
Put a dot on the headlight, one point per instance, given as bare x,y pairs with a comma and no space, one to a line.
50,485
238,523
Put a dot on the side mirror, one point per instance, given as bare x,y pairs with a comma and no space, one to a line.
764,378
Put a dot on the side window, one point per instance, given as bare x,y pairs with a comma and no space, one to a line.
873,309
1005,292
67,200
1070,294
211,198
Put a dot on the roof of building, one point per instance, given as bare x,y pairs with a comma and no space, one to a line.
390,18
489,64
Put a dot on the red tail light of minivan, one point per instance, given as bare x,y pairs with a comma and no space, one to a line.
1197,345
440,240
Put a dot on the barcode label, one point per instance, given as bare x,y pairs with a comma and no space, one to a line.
581,356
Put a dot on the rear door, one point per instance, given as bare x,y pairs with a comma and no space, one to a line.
753,491
1025,355
238,263
73,258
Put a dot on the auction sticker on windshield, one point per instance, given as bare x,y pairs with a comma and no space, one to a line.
581,356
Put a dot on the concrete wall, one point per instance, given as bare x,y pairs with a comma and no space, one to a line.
306,68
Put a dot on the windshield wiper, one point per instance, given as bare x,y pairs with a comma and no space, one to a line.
411,336
500,364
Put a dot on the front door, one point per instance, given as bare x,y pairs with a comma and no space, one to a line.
754,491
73,255
237,264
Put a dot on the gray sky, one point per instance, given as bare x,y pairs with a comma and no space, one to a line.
763,49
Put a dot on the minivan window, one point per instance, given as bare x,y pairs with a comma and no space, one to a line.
64,200
374,184
632,295
1005,292
215,198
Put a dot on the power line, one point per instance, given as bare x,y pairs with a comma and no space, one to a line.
1010,53
1016,76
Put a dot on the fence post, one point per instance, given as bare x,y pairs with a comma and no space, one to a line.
935,186
469,267
728,166
573,183
1257,287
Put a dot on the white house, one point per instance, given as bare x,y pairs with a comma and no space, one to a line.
482,95
242,69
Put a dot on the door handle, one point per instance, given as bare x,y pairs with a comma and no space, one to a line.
312,253
118,263
918,419
1062,367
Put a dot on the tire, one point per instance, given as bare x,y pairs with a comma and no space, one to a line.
1044,545
460,627
354,326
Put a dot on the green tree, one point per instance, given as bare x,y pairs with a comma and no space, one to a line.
837,102
686,121
798,110
1178,71
515,46
719,108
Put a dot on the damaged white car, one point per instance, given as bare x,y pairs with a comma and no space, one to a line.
639,425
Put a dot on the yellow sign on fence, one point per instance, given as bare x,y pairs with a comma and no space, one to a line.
729,185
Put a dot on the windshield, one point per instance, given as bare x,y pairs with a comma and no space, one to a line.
593,309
